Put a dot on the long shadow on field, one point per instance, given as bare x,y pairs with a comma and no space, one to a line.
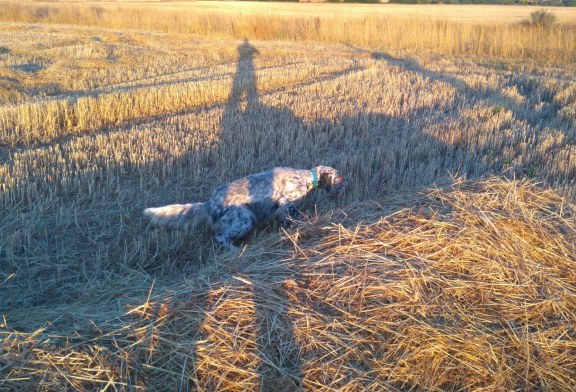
547,110
279,368
241,143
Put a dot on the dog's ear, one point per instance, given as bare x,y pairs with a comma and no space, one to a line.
325,180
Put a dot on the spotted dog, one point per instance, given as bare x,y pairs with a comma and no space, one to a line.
236,208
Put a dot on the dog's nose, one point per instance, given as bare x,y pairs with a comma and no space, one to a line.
341,181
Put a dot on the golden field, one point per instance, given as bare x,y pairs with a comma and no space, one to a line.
491,14
461,30
447,264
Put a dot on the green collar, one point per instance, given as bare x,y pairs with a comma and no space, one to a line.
314,178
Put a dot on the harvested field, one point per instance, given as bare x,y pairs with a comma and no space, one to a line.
470,286
447,264
484,14
479,30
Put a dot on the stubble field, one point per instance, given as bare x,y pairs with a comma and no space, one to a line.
441,267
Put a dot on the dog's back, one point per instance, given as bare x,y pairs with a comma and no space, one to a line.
263,193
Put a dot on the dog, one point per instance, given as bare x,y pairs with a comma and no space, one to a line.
237,208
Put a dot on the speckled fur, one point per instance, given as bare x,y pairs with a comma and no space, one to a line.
237,208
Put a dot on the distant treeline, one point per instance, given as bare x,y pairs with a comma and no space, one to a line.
556,3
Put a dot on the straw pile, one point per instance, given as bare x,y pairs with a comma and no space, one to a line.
471,286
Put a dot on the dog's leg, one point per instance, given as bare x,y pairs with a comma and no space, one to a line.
286,214
224,241
233,225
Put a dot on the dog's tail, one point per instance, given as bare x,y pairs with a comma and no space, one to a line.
178,215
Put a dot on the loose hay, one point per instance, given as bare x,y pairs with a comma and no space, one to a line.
466,287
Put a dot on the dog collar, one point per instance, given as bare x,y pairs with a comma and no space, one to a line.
314,178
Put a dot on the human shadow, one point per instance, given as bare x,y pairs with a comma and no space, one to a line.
242,118
244,84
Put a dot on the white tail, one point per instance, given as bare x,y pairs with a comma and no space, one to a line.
177,215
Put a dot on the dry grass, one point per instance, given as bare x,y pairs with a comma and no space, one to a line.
442,30
398,284
466,287
75,101
479,14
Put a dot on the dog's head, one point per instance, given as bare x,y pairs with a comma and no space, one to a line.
329,179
